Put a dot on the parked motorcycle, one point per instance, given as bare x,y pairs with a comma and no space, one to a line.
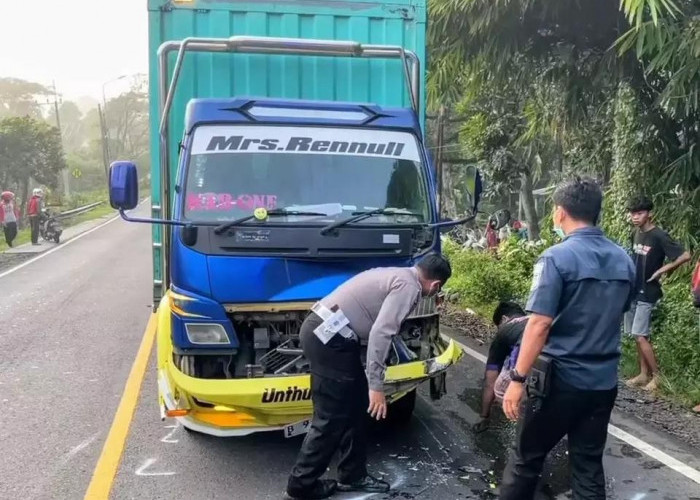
50,226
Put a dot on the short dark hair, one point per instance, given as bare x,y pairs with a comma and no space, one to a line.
506,308
640,204
435,267
581,197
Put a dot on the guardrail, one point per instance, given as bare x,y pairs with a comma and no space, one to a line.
78,211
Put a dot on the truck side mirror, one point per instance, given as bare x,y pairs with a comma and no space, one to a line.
123,185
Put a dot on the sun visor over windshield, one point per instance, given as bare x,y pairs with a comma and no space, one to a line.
305,140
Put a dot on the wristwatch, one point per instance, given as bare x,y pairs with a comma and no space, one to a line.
516,377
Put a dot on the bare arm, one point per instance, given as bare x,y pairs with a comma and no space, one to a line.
488,395
671,266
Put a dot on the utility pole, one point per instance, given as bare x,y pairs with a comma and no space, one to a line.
103,134
64,174
439,156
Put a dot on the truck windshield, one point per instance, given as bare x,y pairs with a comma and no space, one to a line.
334,171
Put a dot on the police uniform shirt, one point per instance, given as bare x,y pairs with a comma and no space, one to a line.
376,302
585,284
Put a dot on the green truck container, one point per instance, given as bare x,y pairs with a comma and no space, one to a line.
378,81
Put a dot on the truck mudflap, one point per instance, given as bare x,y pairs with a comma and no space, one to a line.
236,407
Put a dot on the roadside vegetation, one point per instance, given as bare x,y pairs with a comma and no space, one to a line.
533,91
480,279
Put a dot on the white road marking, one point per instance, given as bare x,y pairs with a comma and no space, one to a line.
168,438
655,453
59,247
64,245
628,438
77,449
141,471
639,496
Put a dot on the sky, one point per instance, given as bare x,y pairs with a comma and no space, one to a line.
81,44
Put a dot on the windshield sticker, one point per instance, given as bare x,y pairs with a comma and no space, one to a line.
305,140
227,201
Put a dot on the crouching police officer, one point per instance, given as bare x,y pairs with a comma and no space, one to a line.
581,288
369,307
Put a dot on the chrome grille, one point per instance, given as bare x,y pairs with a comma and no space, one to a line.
425,307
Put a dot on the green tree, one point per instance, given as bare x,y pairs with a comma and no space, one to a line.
73,127
21,98
127,124
29,149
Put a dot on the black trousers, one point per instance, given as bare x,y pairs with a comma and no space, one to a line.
580,415
340,399
34,226
10,230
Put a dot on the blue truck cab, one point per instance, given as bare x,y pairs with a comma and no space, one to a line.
274,203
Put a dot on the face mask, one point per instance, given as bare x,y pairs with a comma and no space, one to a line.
557,228
434,289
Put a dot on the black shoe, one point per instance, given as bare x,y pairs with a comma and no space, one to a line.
367,484
323,489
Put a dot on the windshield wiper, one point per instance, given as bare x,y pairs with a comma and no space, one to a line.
358,216
275,212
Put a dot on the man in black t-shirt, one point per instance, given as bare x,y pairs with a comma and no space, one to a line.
651,247
510,319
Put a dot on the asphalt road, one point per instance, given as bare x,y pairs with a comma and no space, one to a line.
71,324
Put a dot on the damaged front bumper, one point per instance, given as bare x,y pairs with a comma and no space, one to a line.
237,407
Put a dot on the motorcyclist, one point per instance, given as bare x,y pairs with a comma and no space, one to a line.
34,210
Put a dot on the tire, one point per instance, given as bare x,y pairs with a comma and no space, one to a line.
57,238
401,411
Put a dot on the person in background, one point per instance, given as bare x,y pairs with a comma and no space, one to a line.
580,289
9,216
651,247
510,319
34,213
491,235
517,228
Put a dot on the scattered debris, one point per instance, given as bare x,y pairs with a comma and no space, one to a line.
470,470
468,324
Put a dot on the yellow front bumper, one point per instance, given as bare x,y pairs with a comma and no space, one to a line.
243,406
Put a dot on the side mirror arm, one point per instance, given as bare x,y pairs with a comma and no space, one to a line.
453,223
144,220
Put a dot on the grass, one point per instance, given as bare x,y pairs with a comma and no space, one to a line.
24,235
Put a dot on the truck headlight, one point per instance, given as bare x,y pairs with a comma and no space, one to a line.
206,333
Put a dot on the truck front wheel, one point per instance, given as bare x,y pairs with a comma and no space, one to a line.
400,412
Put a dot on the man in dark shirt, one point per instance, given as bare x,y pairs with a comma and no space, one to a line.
651,247
510,319
581,288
